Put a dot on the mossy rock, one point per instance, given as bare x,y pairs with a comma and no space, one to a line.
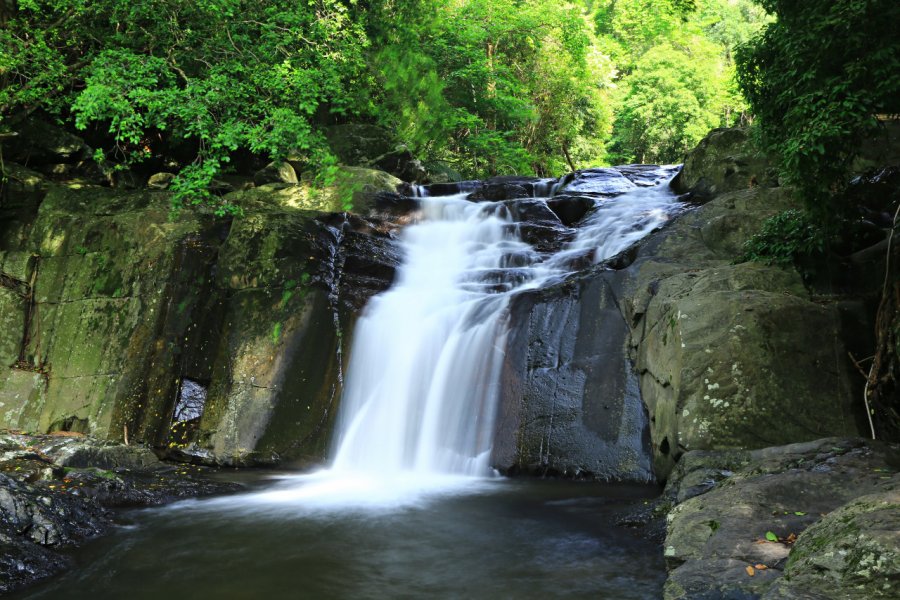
726,160
353,189
854,551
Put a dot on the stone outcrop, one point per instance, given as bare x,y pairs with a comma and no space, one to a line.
734,355
804,521
726,160
108,306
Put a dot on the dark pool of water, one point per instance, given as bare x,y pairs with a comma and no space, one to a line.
504,539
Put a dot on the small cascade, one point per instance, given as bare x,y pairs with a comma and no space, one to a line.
424,374
424,371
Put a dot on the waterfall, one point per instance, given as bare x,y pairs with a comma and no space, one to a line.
424,372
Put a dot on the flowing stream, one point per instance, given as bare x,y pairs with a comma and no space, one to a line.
410,506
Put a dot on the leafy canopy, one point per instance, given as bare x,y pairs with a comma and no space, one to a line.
817,77
212,75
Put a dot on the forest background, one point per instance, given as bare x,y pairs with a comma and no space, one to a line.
471,87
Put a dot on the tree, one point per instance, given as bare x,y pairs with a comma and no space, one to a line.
816,77
202,78
671,100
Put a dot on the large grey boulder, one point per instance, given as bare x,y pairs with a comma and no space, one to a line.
726,160
733,531
732,355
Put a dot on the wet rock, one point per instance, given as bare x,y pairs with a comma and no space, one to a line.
646,175
46,506
450,189
281,172
602,181
389,204
570,404
82,452
838,495
507,188
370,262
570,209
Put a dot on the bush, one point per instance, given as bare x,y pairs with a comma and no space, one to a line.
790,238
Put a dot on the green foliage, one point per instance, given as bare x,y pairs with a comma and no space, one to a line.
816,77
207,78
670,101
498,86
677,75
789,238
472,87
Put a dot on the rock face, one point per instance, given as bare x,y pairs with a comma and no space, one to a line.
108,305
109,309
734,355
571,404
811,520
725,160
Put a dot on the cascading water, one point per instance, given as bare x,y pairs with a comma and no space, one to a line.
424,369
424,373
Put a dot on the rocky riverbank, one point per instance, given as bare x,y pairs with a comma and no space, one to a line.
57,492
809,521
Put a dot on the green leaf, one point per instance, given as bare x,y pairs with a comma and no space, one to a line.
771,536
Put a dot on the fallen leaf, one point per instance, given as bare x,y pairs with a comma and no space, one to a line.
771,536
791,538
750,571
761,567
800,513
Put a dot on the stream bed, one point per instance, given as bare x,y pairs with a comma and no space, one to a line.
471,538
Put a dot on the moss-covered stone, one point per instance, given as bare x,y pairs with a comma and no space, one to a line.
735,510
732,355
352,189
854,551
725,160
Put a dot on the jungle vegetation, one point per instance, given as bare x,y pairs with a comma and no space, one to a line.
473,87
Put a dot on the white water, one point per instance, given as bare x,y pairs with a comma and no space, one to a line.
425,367
424,374
417,416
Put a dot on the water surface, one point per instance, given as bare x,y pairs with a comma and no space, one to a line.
466,539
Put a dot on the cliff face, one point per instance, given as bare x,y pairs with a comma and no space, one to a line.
109,307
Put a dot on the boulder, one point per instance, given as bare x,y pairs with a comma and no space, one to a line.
160,181
733,531
854,549
732,355
605,182
352,189
726,160
276,172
